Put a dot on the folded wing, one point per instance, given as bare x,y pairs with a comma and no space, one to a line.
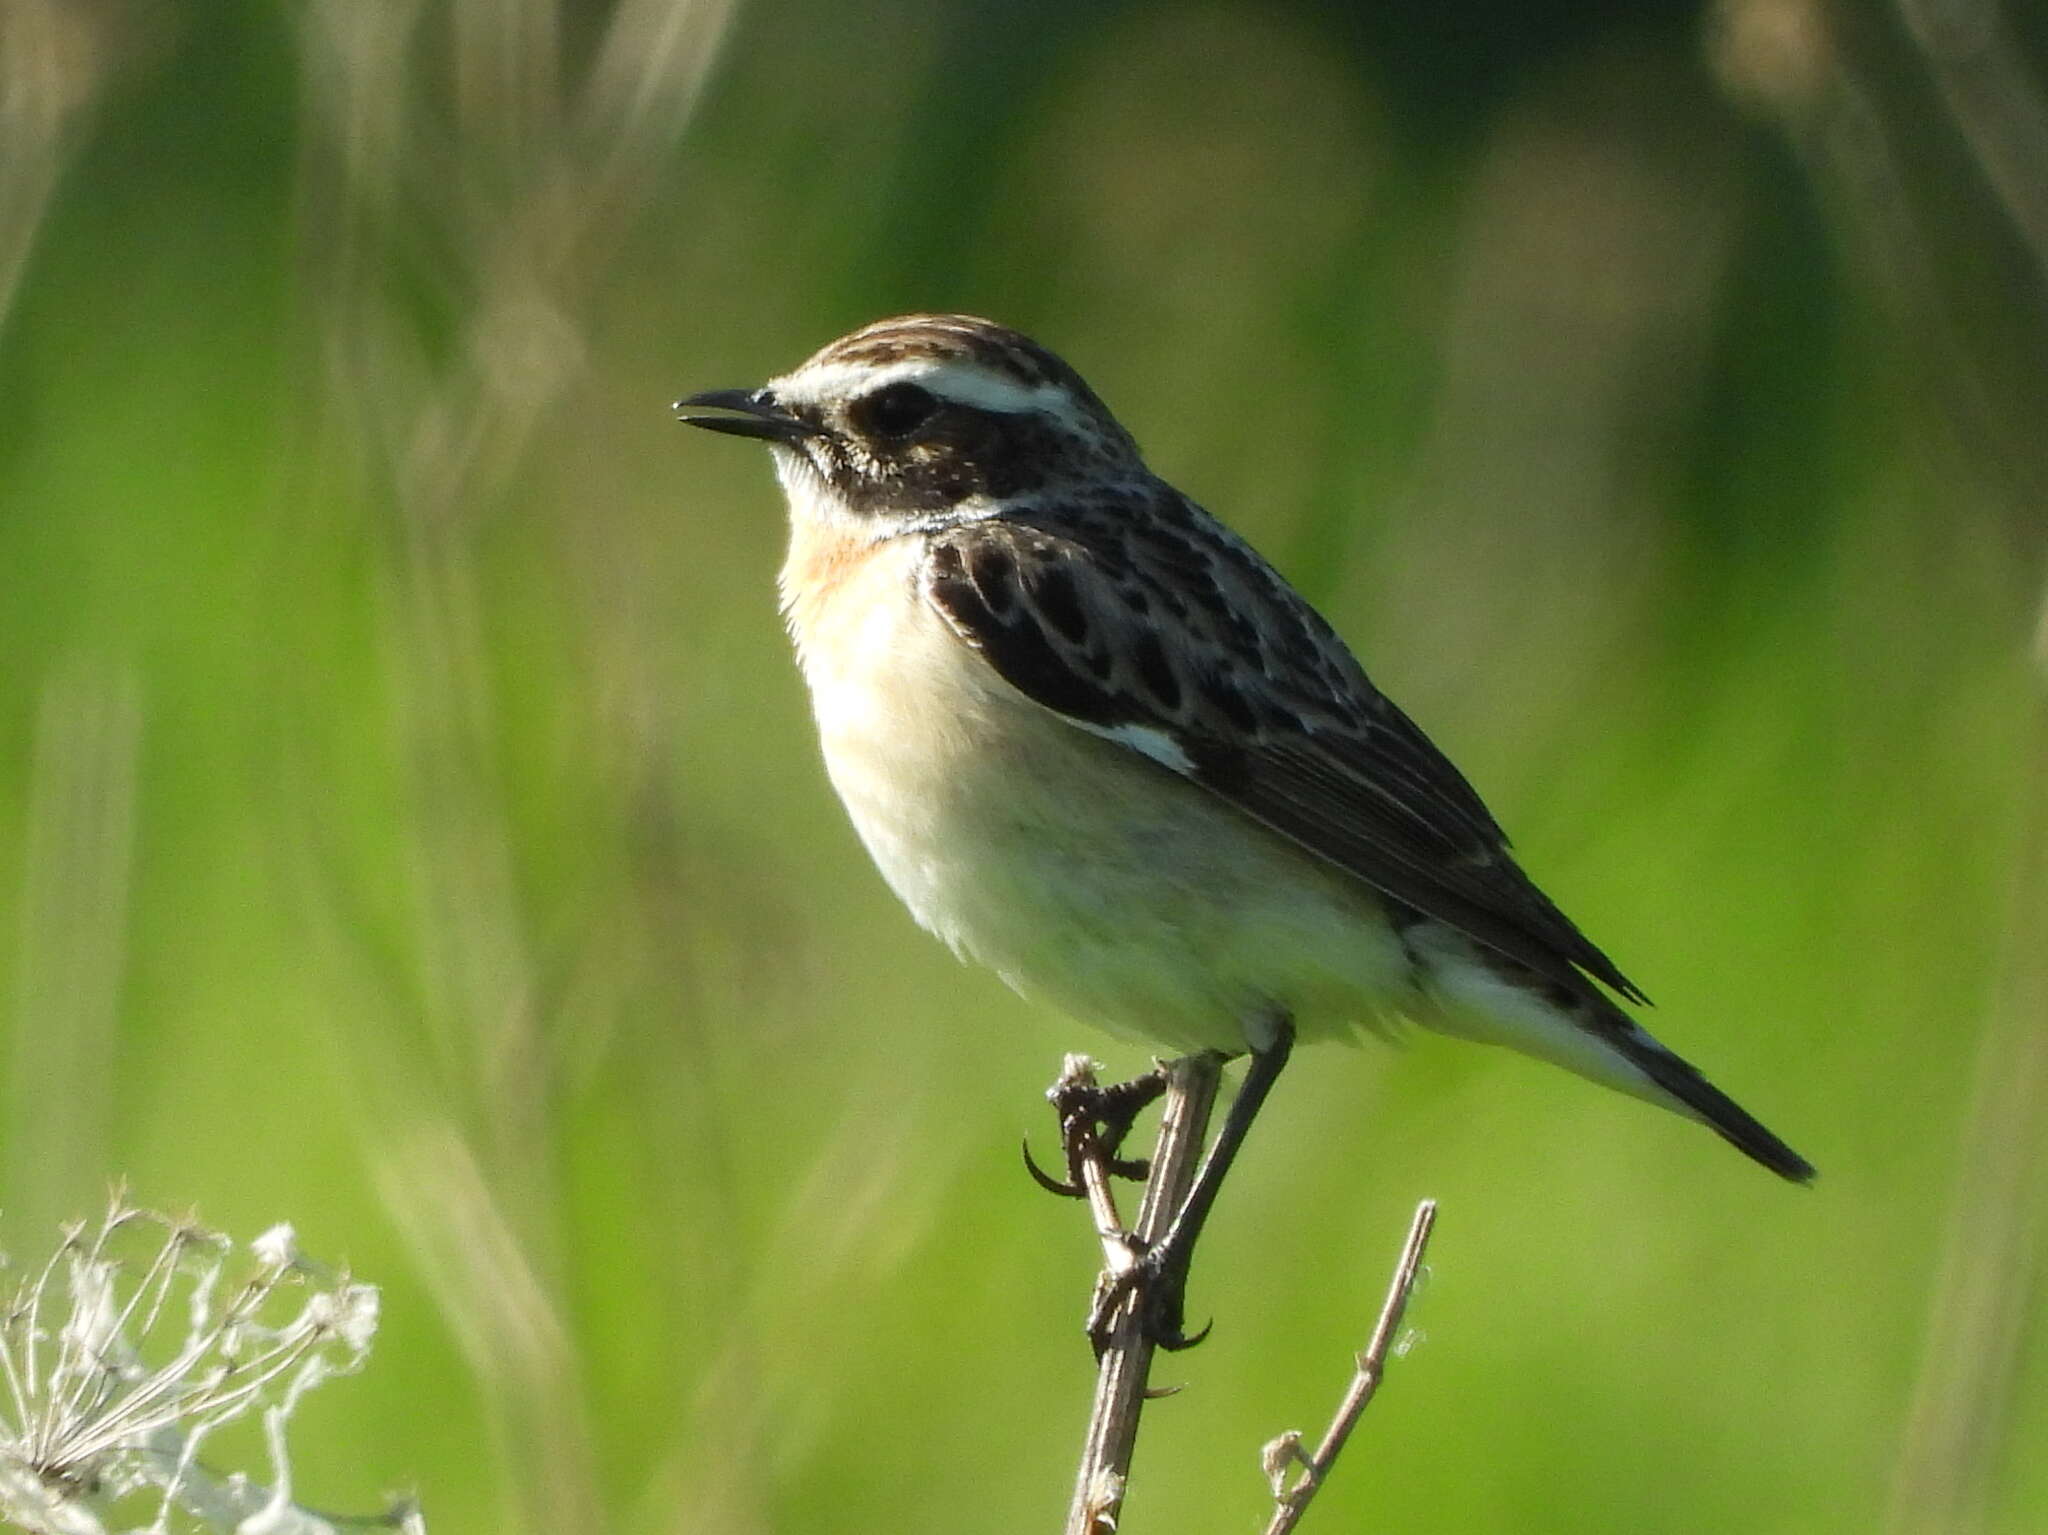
1161,630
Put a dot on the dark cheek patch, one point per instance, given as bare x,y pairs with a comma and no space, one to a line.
1018,451
884,486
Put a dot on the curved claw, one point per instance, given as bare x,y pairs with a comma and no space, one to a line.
1180,1340
1165,1295
1046,1180
1161,1300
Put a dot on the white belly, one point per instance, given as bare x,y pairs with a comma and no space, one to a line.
1080,871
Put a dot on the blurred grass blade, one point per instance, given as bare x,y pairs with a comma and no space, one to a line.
74,940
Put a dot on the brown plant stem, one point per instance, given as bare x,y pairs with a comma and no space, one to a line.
1125,1366
1293,1501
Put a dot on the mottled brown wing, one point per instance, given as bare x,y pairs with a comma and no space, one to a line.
1152,624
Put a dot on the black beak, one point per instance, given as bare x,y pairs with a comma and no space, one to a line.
754,413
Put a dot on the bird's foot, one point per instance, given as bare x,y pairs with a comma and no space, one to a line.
1094,1122
1156,1282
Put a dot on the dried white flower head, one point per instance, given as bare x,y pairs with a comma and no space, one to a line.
276,1248
138,1339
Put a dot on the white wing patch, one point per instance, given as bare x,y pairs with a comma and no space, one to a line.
1148,739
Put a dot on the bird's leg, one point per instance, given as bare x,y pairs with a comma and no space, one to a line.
1093,1123
1160,1276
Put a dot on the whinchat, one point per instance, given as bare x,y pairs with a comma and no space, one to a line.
1096,743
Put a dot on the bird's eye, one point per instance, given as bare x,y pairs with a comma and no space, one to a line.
895,411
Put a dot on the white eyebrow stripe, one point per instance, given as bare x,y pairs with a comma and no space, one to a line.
949,378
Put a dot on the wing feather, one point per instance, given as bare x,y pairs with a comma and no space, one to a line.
1158,628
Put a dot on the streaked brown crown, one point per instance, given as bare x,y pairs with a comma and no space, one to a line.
963,338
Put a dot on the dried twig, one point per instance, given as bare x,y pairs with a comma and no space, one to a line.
1126,1363
1293,1501
1126,1360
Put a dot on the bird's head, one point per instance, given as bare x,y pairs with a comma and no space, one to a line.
924,419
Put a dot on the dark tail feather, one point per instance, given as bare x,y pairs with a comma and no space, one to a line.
1722,1114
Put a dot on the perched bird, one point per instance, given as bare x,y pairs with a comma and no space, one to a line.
1096,743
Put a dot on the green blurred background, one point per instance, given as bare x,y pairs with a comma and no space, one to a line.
410,825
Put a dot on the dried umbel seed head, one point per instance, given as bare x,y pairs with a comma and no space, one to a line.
134,1342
